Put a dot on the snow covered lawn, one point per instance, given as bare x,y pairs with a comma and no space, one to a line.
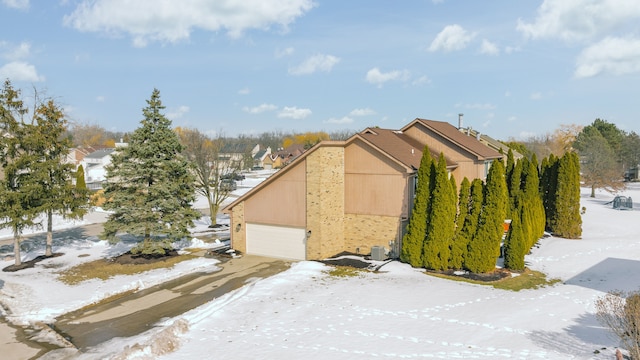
397,313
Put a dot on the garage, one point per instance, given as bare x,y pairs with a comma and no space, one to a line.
276,241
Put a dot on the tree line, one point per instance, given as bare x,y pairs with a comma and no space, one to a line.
465,230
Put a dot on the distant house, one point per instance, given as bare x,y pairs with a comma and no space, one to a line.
349,195
77,154
235,153
94,167
260,159
282,157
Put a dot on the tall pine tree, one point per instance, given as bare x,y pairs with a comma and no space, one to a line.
149,186
59,194
20,191
413,239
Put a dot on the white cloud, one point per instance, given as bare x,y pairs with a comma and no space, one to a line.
172,21
451,38
13,53
573,20
536,96
284,52
614,56
260,108
20,71
178,113
421,80
342,120
101,98
16,4
294,113
244,91
362,112
507,93
489,48
375,76
512,49
319,62
512,118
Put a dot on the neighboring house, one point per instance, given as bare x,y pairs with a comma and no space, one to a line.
349,196
233,153
77,154
94,171
283,157
488,141
260,156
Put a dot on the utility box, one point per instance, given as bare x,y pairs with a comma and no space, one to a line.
377,253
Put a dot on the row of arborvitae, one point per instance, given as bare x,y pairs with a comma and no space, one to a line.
464,230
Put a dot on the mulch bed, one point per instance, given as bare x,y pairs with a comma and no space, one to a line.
29,264
487,277
341,260
136,259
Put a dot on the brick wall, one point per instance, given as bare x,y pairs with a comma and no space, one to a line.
239,238
361,232
325,202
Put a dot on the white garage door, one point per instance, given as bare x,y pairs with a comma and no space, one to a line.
276,241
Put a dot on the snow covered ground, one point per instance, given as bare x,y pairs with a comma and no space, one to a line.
397,313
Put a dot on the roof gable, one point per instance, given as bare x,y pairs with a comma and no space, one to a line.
399,146
451,133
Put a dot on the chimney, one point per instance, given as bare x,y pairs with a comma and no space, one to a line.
460,120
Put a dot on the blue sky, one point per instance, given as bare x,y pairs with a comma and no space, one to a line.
514,68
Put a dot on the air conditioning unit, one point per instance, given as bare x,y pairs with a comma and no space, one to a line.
377,253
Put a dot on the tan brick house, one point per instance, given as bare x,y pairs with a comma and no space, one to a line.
349,195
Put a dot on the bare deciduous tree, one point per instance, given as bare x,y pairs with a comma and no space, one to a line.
620,313
209,167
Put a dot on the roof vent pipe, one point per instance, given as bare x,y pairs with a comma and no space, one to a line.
460,120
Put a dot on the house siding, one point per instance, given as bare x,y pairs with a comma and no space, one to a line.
281,202
325,202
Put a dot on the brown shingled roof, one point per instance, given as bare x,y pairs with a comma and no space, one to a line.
451,133
399,146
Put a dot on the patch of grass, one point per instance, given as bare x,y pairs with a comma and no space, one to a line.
104,269
528,279
344,271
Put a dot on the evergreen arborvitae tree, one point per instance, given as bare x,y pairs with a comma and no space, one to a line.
149,186
413,239
470,225
548,187
533,200
509,168
567,221
514,187
484,248
441,220
459,245
515,245
59,194
81,184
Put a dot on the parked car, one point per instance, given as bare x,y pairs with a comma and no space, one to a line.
228,185
233,176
